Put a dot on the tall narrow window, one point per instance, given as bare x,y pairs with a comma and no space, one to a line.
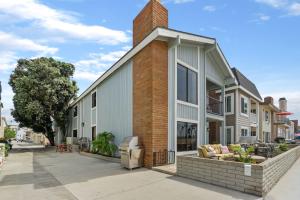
186,136
93,133
229,103
267,117
75,111
74,133
187,89
244,105
94,99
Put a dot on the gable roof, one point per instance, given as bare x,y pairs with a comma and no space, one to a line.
246,83
160,33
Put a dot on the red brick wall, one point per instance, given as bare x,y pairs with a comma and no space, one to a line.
150,98
153,15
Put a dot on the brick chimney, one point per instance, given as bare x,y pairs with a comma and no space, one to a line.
153,15
269,100
150,83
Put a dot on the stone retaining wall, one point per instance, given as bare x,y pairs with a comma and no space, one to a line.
231,174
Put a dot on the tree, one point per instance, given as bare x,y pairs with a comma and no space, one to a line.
42,88
9,133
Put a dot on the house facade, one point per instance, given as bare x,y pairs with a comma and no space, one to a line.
242,110
169,90
267,119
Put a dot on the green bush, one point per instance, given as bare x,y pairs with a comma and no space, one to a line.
9,133
283,147
104,145
245,157
6,150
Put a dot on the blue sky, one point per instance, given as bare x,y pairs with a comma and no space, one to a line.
259,37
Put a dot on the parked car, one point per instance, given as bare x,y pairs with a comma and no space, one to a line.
290,141
297,139
4,141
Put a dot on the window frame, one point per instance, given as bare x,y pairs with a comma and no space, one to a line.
73,133
75,109
232,133
245,128
188,82
186,124
93,138
267,116
94,102
231,95
246,102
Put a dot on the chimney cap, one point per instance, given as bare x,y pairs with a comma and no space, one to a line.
282,99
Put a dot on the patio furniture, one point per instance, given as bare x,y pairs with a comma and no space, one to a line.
64,148
205,151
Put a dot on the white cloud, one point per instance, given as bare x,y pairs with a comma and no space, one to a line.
61,21
96,64
12,42
7,95
263,17
209,8
294,9
7,60
273,3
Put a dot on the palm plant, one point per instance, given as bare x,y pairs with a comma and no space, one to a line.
104,145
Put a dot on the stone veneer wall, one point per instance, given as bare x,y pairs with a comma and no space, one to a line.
231,174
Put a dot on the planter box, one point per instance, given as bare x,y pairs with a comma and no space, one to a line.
231,174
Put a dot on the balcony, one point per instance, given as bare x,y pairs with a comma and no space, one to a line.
214,106
281,121
253,118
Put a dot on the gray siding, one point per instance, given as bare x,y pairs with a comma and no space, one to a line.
187,112
86,116
114,104
213,71
188,54
171,99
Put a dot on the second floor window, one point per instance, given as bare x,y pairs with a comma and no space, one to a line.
244,132
267,116
75,111
94,99
244,105
229,104
187,85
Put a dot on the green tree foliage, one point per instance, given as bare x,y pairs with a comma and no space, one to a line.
104,144
42,90
9,133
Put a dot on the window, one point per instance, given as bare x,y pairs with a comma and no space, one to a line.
267,116
244,105
94,99
229,135
187,89
253,132
229,104
74,133
244,132
267,137
186,136
75,111
93,133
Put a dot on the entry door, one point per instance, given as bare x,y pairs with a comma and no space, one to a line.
229,135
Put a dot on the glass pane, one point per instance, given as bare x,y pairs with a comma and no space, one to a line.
181,83
228,104
192,87
242,105
186,136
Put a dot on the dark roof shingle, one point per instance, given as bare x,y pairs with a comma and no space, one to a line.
245,82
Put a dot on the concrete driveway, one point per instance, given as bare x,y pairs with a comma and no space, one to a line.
45,174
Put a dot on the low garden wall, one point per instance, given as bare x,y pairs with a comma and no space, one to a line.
232,174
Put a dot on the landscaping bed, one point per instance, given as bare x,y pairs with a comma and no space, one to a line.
258,179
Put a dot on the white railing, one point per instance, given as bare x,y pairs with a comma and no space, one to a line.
253,118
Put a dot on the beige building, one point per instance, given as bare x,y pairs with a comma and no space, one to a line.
3,124
267,118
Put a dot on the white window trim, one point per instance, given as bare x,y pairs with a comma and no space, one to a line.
247,99
232,132
184,64
93,108
231,105
248,131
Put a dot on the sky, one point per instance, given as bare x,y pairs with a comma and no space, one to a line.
259,37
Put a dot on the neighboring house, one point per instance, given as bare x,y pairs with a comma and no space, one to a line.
14,127
282,125
242,110
168,90
267,119
3,126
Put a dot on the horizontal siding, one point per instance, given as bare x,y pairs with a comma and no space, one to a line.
213,71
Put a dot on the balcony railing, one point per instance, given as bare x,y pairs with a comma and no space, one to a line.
281,121
214,106
253,118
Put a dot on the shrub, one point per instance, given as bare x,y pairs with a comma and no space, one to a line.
283,147
103,144
9,133
246,156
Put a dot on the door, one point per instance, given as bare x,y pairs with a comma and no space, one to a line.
93,133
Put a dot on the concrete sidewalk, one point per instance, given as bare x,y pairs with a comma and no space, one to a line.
45,174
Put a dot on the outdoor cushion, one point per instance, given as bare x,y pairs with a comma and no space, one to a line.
217,148
232,146
211,153
200,152
204,152
224,149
